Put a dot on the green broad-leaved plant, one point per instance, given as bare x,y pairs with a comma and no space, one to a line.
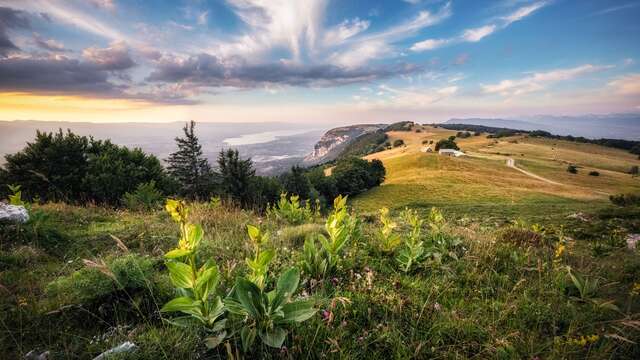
314,261
413,249
389,240
341,228
16,195
290,210
259,264
268,315
196,285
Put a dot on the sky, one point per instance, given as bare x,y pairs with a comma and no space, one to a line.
316,61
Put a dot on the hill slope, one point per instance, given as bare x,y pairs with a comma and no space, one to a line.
481,184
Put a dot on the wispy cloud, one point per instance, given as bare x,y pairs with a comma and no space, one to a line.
616,8
479,33
540,80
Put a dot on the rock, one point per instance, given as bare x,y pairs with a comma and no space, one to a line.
632,241
579,216
334,141
126,346
33,355
13,213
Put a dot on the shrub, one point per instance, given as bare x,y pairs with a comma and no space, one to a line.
99,279
398,142
447,144
69,167
145,198
354,175
594,173
520,236
572,169
634,170
625,199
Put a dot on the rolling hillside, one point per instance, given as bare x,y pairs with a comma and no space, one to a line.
481,184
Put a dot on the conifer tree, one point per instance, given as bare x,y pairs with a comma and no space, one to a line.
189,167
236,175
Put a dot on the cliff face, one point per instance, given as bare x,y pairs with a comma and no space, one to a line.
335,140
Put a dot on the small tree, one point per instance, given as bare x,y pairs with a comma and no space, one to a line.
572,169
236,175
189,167
398,142
296,182
634,170
447,144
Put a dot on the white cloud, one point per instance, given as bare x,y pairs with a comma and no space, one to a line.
345,30
475,35
429,44
479,33
523,12
539,81
627,85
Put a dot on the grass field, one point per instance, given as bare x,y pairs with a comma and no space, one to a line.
480,184
490,296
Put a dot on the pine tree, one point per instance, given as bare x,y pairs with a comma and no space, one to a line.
236,175
189,167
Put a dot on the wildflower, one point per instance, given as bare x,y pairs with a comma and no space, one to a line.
635,289
437,307
559,250
177,209
22,301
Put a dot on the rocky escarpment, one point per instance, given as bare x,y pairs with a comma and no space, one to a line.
334,141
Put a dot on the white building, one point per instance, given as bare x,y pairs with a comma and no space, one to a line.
451,152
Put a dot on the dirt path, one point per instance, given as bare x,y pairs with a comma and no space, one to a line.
512,164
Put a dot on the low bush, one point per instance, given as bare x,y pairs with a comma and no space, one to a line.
146,197
572,169
594,173
520,236
625,199
99,279
398,142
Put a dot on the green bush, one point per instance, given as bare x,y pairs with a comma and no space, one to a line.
625,199
69,167
98,279
290,210
398,142
594,173
355,175
572,169
447,144
146,197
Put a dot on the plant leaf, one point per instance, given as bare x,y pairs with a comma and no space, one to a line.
182,303
180,274
274,337
177,253
298,311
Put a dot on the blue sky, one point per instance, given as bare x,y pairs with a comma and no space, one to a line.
316,60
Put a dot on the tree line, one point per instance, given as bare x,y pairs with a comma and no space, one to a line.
63,166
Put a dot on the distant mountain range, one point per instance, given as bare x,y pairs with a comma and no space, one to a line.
613,126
